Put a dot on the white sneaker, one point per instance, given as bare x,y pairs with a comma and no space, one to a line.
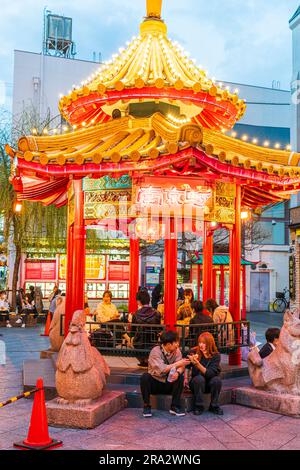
23,326
19,321
8,325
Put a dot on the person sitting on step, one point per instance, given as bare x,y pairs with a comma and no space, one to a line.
272,337
28,309
205,374
4,309
165,374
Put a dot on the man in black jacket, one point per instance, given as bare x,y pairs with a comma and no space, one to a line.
145,338
199,319
272,337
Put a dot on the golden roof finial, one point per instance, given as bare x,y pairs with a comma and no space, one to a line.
154,8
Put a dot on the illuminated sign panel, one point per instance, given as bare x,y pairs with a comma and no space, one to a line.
160,197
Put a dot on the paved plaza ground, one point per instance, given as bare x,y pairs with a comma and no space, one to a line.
240,428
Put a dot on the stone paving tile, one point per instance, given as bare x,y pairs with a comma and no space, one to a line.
294,444
270,440
245,445
286,425
129,430
228,436
250,423
233,411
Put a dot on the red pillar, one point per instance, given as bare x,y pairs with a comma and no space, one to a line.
207,263
134,275
235,273
170,293
214,282
244,312
76,256
199,281
222,285
69,276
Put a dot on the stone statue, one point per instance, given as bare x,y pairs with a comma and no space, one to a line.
280,372
81,370
56,340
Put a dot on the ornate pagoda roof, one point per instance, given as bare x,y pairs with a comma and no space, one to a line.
162,144
152,67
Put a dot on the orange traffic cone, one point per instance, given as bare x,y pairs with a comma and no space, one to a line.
38,434
47,326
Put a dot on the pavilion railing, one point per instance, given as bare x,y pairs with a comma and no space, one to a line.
137,340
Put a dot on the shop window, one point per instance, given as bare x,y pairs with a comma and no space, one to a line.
95,290
46,287
119,291
270,234
275,212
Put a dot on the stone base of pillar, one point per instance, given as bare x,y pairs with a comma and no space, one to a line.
87,416
283,404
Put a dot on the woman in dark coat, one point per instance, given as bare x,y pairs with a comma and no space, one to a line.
205,374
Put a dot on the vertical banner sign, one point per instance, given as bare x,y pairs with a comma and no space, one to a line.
292,278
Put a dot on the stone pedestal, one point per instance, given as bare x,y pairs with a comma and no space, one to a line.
283,404
86,416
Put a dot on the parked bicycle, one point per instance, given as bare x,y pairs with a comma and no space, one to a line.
282,301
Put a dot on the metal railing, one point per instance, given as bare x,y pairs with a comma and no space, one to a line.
228,336
137,340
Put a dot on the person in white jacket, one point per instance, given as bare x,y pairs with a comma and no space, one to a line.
4,308
106,311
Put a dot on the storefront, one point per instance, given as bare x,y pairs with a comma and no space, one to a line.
102,272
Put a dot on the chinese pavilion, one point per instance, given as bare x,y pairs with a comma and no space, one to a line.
148,128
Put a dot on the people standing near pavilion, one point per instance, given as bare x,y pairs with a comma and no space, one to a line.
38,300
4,308
205,370
20,300
165,374
53,293
52,306
31,293
106,311
145,315
156,296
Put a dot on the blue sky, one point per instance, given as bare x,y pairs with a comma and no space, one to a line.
246,41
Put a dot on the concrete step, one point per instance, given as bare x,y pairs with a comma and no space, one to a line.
132,376
163,402
127,379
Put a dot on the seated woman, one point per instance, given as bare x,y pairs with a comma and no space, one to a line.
107,311
28,308
4,309
185,310
221,314
205,374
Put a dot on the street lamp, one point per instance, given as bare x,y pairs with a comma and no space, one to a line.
245,215
18,207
